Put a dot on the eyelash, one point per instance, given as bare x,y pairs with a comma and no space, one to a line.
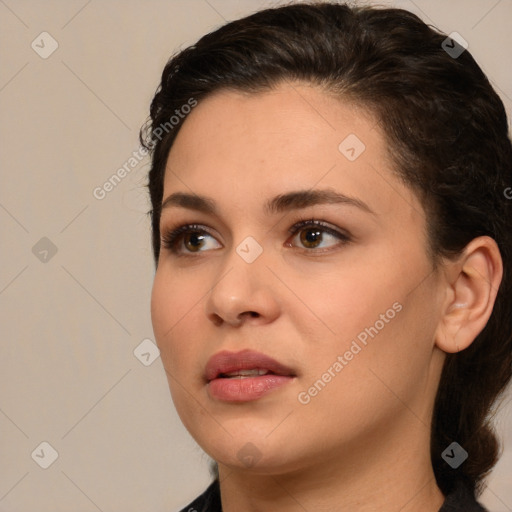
171,238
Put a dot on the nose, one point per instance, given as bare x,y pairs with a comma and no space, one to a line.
243,292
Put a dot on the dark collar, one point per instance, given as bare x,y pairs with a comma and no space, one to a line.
209,501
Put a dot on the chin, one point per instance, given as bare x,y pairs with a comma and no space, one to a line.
250,452
250,459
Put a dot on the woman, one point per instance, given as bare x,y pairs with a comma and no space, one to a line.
331,232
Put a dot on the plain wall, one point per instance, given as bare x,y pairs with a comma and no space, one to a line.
71,319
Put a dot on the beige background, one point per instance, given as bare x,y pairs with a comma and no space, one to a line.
70,324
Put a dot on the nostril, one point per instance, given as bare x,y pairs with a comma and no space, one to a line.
248,314
217,320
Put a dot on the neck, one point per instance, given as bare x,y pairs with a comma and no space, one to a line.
392,472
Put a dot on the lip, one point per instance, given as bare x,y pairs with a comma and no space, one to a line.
225,362
238,389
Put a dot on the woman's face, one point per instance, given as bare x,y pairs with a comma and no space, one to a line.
349,306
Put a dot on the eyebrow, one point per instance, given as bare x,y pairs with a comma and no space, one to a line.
284,202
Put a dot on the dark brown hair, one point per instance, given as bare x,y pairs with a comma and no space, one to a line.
448,132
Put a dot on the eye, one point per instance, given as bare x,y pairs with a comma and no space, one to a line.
192,237
311,234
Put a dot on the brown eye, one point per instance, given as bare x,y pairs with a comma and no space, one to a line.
188,239
313,234
311,237
193,241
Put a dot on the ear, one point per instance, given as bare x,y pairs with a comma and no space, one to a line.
471,285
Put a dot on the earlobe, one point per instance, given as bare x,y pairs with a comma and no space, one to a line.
471,286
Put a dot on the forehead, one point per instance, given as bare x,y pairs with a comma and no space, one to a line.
245,148
294,121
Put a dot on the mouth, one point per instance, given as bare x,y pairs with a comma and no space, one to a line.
245,376
246,363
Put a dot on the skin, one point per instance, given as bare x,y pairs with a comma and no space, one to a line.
362,443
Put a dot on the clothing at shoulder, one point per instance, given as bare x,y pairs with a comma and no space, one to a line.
209,501
461,499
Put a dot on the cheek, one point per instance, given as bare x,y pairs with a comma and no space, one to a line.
173,308
369,383
174,313
163,312
378,319
339,304
394,362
